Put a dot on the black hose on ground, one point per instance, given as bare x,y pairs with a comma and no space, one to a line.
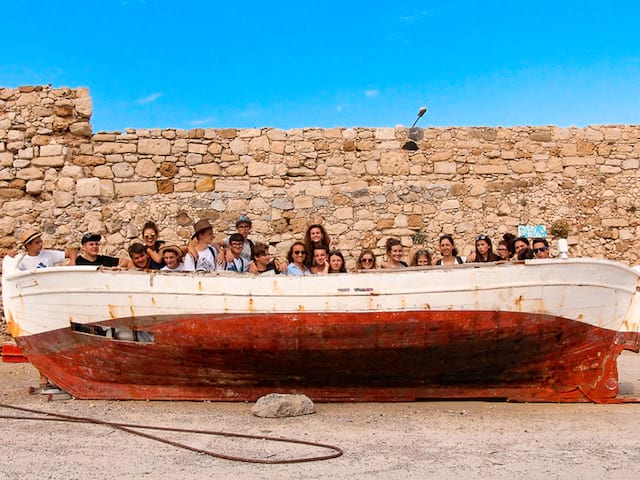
128,427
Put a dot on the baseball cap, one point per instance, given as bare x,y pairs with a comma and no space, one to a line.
90,237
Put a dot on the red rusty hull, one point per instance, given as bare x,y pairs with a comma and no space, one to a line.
377,356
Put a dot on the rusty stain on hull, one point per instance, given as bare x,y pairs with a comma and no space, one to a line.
386,356
12,326
539,331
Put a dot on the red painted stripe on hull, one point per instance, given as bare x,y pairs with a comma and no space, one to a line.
384,356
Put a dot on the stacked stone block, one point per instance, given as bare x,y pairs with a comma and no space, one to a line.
364,184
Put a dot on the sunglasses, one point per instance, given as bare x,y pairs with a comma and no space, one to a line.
150,235
482,237
538,250
367,260
299,252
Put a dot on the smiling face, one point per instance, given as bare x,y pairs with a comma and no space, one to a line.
320,257
396,253
316,235
366,262
540,250
446,247
90,250
422,261
298,254
236,248
171,259
149,236
141,260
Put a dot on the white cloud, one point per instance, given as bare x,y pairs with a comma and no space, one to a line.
149,99
414,17
202,121
372,93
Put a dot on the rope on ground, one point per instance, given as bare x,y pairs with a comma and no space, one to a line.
128,427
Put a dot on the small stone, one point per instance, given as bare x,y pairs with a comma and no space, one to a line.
155,146
278,405
168,169
165,186
88,187
206,184
83,106
541,136
88,160
82,129
34,187
349,146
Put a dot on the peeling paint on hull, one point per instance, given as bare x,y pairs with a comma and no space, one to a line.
533,331
399,356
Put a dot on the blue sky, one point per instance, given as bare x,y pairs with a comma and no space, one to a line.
209,64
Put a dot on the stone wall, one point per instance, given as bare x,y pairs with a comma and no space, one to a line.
363,184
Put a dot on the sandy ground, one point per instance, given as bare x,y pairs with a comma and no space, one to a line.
392,441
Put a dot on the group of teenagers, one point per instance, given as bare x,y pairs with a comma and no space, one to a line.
314,255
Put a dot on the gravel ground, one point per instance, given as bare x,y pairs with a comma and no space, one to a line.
392,441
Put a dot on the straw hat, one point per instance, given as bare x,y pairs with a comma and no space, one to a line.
172,248
201,225
29,236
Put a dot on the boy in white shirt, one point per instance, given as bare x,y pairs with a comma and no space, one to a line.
172,256
202,256
37,257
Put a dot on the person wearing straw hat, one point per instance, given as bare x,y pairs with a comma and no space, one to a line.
39,257
172,256
202,256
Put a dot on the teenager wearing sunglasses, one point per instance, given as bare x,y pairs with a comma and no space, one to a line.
540,248
153,245
366,260
298,261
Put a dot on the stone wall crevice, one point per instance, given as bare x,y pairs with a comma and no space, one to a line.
56,174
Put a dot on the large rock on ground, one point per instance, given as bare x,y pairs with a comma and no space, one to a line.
278,405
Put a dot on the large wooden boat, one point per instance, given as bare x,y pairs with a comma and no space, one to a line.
541,330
